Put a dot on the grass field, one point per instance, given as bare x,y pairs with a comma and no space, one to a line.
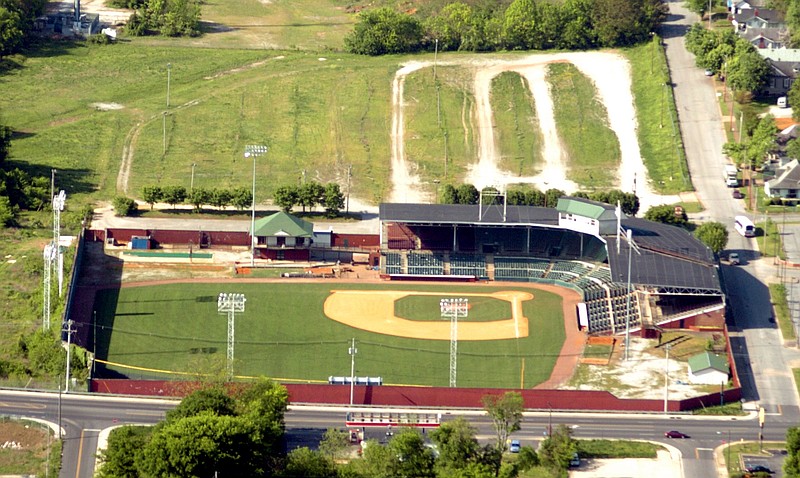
517,125
284,334
579,112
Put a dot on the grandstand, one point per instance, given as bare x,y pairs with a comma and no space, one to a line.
662,278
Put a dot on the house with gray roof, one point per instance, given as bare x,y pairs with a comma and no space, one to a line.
786,183
758,18
780,77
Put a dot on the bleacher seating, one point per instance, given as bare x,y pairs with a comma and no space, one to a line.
394,262
468,265
425,263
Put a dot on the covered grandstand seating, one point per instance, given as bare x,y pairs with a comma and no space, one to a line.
468,265
394,262
401,237
421,263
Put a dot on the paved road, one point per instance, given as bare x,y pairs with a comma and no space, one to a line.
84,416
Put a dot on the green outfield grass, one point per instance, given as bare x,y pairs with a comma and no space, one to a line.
426,307
284,334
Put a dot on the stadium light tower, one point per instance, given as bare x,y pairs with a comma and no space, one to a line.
253,150
58,206
229,303
451,309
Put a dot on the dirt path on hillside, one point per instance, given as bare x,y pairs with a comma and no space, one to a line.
405,183
610,73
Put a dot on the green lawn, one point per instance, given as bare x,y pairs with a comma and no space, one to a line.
582,121
517,134
284,334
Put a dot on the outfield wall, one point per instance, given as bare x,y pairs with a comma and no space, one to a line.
434,397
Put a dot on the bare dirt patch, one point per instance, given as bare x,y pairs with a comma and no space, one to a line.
106,106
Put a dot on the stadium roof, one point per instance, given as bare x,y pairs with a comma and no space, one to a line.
668,257
466,214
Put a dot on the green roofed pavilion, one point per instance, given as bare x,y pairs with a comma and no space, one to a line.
586,208
283,224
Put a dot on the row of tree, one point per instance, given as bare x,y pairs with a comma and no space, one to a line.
713,234
728,55
16,23
243,435
523,25
309,195
530,196
167,17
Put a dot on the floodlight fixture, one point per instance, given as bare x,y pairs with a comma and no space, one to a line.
231,304
452,308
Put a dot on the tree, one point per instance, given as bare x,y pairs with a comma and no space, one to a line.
791,465
450,25
198,197
173,195
384,31
748,70
378,462
8,213
334,443
123,206
414,459
457,445
5,142
332,200
241,198
666,214
467,194
551,197
151,195
11,31
450,194
625,22
519,28
577,32
303,462
286,197
310,194
506,414
556,450
220,198
794,99
714,235
201,444
122,448
214,401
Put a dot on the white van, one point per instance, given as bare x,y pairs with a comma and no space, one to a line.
783,102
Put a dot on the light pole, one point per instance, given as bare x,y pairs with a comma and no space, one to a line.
666,381
69,344
191,185
230,303
169,75
550,420
352,351
253,150
453,308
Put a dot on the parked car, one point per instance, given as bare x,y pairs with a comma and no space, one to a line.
709,72
675,434
733,258
514,447
575,461
758,469
737,194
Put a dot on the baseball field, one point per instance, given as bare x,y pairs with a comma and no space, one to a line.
301,331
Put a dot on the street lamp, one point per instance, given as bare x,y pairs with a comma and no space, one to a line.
169,74
230,304
352,350
191,185
550,420
253,150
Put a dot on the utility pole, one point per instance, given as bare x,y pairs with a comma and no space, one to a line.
69,355
169,74
349,175
352,351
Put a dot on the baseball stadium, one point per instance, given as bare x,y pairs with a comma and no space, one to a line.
529,277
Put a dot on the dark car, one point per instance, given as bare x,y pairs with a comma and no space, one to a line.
675,434
758,469
737,194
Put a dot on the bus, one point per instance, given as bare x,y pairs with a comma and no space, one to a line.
744,226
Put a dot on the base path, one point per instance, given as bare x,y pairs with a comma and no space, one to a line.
373,311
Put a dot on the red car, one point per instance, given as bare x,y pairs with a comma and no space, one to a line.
675,434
